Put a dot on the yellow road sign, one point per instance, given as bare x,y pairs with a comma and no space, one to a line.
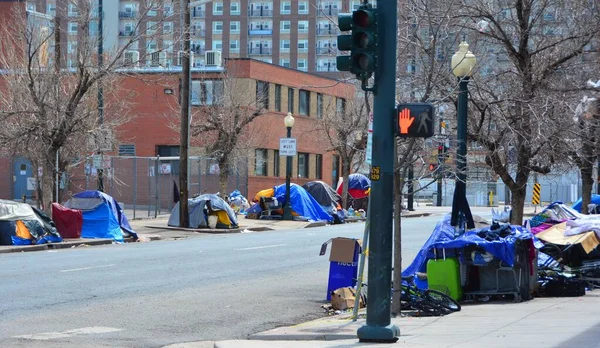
537,190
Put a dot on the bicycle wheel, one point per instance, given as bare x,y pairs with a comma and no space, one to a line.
429,309
442,300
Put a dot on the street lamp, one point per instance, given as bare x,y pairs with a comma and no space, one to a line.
463,63
288,121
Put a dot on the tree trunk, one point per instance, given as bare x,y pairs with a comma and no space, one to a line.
587,182
517,205
345,175
223,177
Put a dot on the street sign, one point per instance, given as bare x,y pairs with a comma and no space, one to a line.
368,155
414,120
287,147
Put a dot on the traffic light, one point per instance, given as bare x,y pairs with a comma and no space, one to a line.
361,42
414,120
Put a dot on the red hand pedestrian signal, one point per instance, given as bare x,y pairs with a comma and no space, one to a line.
405,121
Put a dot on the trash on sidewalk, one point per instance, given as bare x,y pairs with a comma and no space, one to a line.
343,266
344,298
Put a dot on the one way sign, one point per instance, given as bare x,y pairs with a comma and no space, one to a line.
414,120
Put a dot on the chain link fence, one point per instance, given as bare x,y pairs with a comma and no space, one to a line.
149,186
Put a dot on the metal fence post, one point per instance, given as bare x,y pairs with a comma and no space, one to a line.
134,186
156,181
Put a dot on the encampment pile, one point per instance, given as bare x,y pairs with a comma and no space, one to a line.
21,224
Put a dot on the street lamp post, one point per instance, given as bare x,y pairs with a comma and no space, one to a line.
463,63
288,121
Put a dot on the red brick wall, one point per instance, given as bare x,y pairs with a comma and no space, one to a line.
6,177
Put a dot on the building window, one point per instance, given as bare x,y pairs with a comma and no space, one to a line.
207,92
217,8
340,105
319,166
303,26
234,27
302,64
303,7
286,7
217,27
234,8
262,95
286,26
319,105
285,45
276,163
290,100
335,170
51,9
217,45
72,27
277,97
284,62
168,151
234,46
302,45
127,150
167,27
304,107
73,10
260,162
302,165
168,10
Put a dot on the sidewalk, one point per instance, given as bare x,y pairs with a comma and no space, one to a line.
542,322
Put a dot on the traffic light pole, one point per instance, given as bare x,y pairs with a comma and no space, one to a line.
378,327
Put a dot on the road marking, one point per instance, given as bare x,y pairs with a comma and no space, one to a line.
262,247
69,333
86,268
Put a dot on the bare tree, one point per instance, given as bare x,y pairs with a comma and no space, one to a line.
48,102
223,120
345,125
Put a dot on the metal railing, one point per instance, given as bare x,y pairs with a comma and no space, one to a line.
260,32
127,14
260,13
260,50
326,50
327,31
198,14
328,12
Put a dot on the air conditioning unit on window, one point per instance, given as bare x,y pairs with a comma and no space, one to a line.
162,58
213,58
180,58
131,59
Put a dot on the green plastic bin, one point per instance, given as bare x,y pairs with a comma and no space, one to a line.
444,275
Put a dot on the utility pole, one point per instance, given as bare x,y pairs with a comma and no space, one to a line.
440,168
185,118
100,90
411,189
56,93
378,327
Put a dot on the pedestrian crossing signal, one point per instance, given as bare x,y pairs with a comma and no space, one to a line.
414,120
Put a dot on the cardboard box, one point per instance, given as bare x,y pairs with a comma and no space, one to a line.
342,249
344,298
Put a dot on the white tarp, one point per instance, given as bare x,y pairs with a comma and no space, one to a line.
13,211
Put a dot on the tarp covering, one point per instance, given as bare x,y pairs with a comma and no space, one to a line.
268,193
322,193
595,200
23,224
104,220
442,237
197,216
68,221
358,186
302,203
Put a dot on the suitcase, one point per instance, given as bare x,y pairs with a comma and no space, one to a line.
444,275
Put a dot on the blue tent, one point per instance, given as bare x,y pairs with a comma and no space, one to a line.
302,203
595,200
102,216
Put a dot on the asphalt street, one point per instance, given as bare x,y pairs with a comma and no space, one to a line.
214,287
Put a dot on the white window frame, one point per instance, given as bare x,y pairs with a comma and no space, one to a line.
167,27
215,30
235,12
305,11
214,45
305,44
73,10
167,45
281,45
167,10
233,30
302,60
216,11
235,49
151,27
305,24
51,9
284,30
71,25
284,61
282,9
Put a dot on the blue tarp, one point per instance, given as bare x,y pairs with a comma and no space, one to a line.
358,181
595,200
302,203
105,220
443,238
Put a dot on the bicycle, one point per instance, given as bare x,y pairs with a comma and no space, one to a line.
429,302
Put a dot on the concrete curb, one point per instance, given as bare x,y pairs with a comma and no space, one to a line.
316,224
415,215
23,248
197,230
69,244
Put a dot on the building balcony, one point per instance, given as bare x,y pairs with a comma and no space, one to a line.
328,31
126,33
326,50
328,12
127,14
327,68
260,32
260,13
260,51
198,14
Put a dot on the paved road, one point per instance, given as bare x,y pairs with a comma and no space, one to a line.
152,294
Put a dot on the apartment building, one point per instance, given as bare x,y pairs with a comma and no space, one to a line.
295,34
